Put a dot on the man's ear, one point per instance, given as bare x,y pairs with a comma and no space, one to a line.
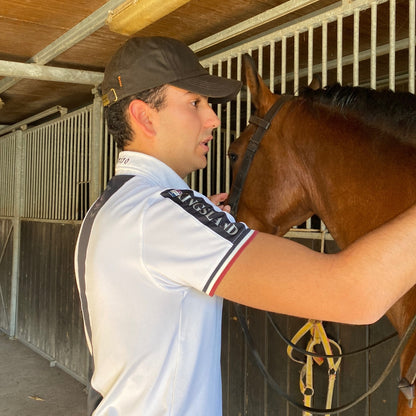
139,113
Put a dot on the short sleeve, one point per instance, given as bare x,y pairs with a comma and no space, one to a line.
188,241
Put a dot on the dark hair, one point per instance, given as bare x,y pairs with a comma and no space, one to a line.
116,114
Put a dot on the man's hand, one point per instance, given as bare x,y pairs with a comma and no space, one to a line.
218,198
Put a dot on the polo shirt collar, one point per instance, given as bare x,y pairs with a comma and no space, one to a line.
136,163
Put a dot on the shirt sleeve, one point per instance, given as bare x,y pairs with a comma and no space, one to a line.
188,241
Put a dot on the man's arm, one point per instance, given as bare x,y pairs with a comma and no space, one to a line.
356,286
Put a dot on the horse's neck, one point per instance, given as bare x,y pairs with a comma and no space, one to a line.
355,183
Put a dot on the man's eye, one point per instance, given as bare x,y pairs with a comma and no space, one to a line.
195,103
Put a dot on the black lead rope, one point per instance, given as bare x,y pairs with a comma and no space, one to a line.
274,385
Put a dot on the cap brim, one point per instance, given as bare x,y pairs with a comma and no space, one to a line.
217,89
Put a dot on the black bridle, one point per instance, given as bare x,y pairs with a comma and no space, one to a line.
263,125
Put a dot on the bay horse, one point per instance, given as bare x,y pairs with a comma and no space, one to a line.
345,154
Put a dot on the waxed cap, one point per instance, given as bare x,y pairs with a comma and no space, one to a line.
148,62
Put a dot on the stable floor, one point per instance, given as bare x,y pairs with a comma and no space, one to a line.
30,387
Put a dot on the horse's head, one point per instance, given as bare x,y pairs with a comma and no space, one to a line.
273,197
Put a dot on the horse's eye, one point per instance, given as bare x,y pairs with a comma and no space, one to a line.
233,157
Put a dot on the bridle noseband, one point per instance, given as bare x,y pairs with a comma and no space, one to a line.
263,125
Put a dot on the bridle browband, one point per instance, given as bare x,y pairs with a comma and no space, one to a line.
263,125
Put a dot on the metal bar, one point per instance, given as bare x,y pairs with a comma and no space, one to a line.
307,234
72,169
96,150
356,48
77,141
373,48
392,39
296,64
93,22
412,36
84,165
87,151
36,117
59,194
209,156
35,201
260,60
324,59
77,167
219,140
42,164
49,73
7,154
284,57
249,24
272,65
16,235
248,103
107,155
238,103
310,55
228,135
66,169
29,170
339,64
53,179
28,177
44,187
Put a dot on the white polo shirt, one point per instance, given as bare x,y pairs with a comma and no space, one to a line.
149,257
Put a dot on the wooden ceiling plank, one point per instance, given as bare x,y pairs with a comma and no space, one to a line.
70,38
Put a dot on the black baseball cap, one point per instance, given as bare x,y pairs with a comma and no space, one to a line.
148,62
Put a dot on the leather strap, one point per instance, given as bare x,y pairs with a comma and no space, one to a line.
263,125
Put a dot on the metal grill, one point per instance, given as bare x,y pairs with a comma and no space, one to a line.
55,171
290,56
7,172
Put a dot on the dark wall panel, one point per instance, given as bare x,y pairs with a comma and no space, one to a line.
49,315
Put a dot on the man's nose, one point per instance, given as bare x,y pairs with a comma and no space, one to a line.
212,120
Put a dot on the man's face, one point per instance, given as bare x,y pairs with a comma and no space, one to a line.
184,128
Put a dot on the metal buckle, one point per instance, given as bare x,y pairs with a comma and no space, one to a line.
408,390
107,100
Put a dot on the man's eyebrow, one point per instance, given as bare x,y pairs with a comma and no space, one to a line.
195,93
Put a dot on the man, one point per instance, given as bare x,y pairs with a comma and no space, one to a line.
155,259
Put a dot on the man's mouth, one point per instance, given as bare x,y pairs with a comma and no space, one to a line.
205,142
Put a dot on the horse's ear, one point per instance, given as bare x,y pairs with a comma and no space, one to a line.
255,83
316,83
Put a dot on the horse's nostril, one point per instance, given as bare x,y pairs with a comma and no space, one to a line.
233,157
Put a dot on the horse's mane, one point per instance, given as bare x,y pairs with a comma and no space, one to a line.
394,112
